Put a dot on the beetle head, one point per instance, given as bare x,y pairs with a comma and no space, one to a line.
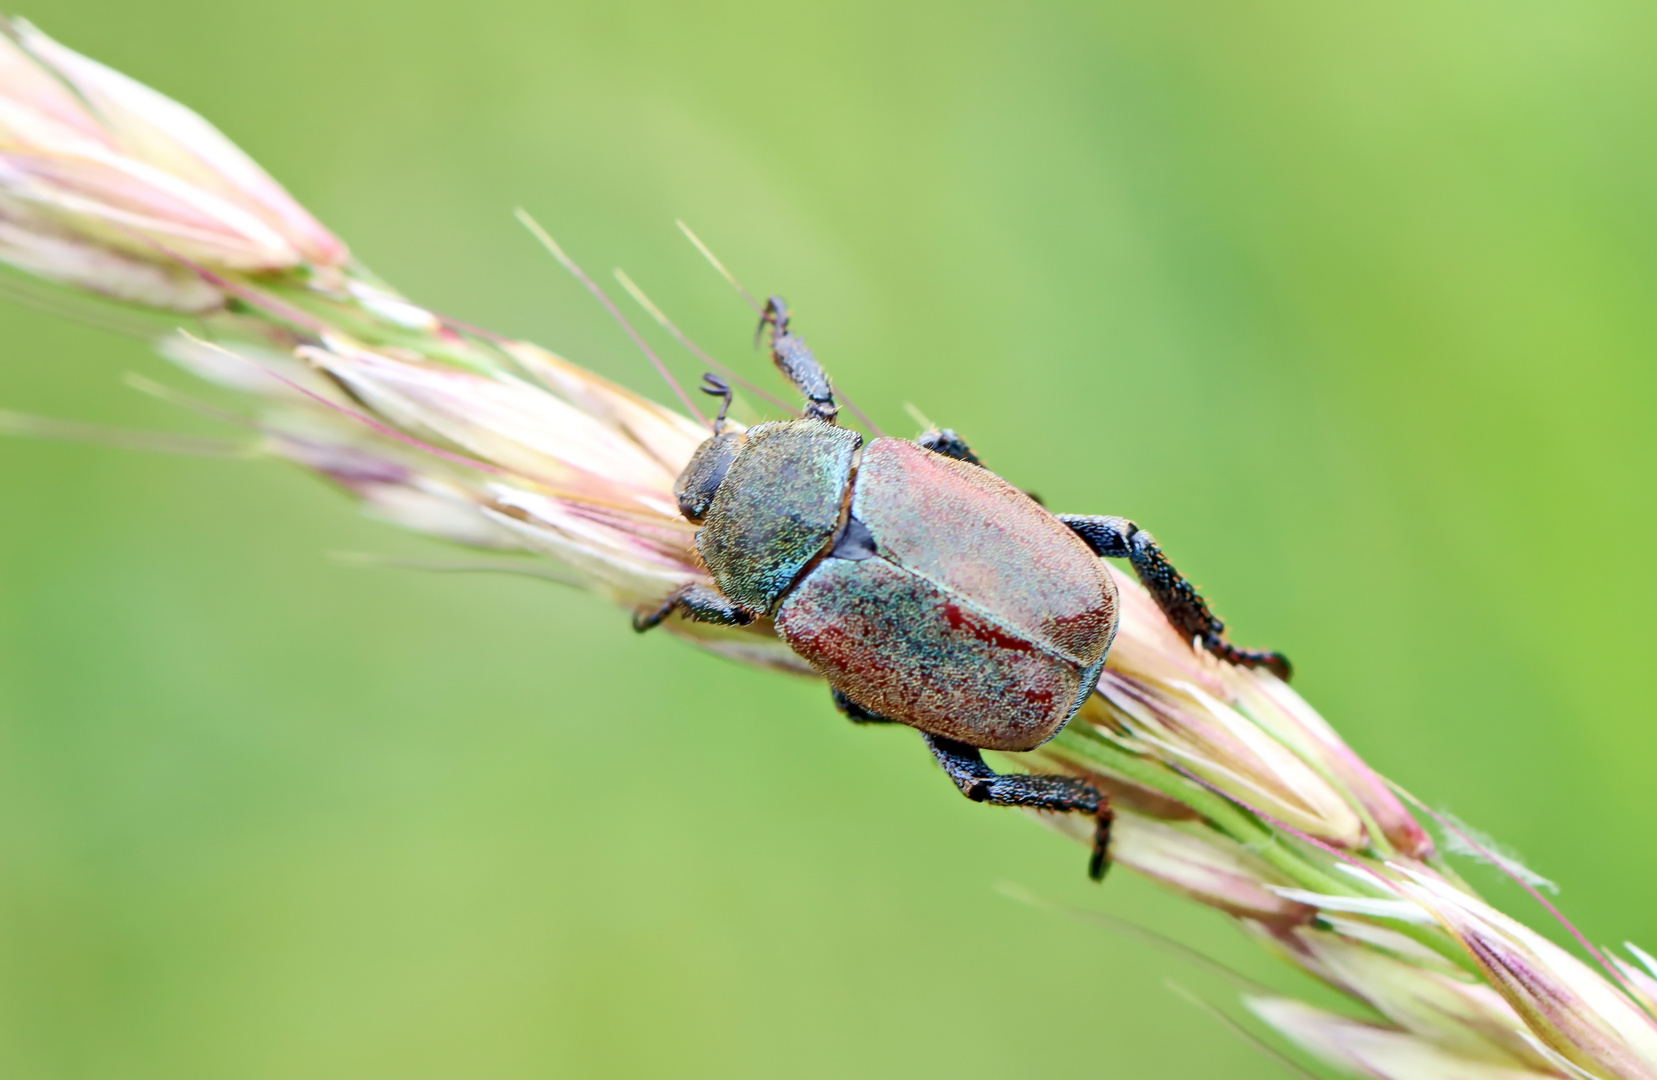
696,485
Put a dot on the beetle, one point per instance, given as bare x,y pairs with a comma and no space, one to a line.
927,590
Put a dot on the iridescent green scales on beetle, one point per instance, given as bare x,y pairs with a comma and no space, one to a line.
778,507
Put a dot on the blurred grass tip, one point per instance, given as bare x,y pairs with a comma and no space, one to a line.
110,186
1233,791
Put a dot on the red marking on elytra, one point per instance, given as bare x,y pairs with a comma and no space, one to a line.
1089,617
983,631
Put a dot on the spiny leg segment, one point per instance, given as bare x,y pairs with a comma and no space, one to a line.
1119,538
980,783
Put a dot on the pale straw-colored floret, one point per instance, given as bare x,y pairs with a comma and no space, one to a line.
107,185
1565,1004
1377,1050
1231,790
1640,979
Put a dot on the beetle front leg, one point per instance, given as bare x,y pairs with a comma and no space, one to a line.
1119,538
694,601
797,363
980,783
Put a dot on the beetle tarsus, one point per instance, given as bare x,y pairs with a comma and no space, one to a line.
1274,662
714,386
1119,538
696,602
1062,794
1099,861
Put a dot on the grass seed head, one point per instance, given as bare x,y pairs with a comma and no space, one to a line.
1231,789
108,185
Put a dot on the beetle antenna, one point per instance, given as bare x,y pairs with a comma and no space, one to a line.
679,335
717,265
714,386
592,286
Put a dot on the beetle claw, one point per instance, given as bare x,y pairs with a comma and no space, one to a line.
1099,862
714,386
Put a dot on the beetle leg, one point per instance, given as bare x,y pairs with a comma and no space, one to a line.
980,783
944,441
694,601
856,713
947,442
1119,538
796,362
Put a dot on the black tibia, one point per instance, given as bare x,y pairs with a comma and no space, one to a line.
856,713
697,602
980,783
796,363
1107,536
946,442
1119,538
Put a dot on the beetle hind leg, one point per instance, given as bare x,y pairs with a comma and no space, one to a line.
980,783
1119,538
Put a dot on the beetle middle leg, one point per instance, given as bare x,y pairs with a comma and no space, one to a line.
1119,538
946,442
856,713
695,601
980,783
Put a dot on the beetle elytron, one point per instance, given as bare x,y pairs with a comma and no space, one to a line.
927,590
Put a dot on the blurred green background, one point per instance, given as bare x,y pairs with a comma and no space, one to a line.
1352,304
